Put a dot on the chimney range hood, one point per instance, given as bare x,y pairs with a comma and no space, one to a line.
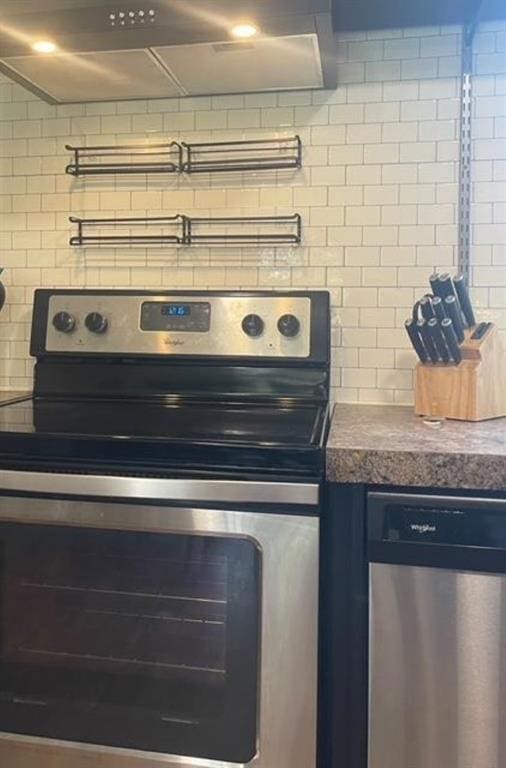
112,51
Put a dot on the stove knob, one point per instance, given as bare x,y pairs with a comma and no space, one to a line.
64,322
253,325
289,326
96,323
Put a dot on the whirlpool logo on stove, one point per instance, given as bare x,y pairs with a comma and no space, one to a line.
423,528
173,342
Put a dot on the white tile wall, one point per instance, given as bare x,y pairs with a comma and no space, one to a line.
378,195
489,187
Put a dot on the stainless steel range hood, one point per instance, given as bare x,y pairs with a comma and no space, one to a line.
111,51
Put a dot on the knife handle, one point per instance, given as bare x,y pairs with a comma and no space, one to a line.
434,283
445,286
436,334
465,301
426,308
439,308
451,339
453,312
428,341
416,340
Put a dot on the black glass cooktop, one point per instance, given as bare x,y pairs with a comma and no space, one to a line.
165,434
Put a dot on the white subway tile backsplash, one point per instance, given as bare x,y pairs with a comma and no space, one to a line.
361,256
346,113
377,193
370,50
381,194
398,132
362,214
447,151
382,235
417,235
395,91
376,358
386,111
380,71
419,69
405,173
398,214
401,48
330,175
346,195
396,254
381,153
148,123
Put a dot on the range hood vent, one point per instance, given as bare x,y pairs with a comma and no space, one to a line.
174,49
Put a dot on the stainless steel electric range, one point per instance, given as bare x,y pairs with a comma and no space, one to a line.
159,532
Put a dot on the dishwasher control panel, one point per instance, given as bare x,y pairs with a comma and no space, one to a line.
441,520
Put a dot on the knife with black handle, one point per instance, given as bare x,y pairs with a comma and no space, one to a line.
446,286
434,283
436,334
480,331
451,340
416,340
426,307
428,341
439,308
464,300
453,311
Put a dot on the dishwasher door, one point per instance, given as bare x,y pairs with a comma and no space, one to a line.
437,696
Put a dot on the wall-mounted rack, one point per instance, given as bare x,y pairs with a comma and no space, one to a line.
185,230
251,155
174,157
248,230
130,231
128,158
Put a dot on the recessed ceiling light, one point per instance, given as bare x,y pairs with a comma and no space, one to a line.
244,31
44,46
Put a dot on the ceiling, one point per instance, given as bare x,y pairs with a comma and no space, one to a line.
388,14
349,14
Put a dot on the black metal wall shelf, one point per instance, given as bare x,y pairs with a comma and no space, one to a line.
128,158
208,157
251,155
190,231
248,230
172,231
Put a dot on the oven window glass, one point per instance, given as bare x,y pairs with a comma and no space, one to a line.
135,640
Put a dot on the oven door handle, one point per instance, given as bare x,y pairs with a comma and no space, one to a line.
159,489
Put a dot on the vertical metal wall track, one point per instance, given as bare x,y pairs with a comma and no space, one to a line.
466,102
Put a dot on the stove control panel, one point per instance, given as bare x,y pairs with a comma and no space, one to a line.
144,323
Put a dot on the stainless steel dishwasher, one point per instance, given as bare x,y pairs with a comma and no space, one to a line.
437,659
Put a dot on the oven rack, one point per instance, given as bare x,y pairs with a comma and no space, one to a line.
189,231
127,158
187,157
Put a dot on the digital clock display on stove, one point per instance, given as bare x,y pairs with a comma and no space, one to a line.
176,310
191,316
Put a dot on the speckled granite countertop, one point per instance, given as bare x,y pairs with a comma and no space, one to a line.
389,445
12,396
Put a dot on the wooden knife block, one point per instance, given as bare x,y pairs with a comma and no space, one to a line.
474,390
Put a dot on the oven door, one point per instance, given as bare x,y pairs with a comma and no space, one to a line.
139,633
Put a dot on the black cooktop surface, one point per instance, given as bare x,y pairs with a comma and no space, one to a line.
163,435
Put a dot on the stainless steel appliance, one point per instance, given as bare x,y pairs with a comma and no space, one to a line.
159,532
437,631
109,51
